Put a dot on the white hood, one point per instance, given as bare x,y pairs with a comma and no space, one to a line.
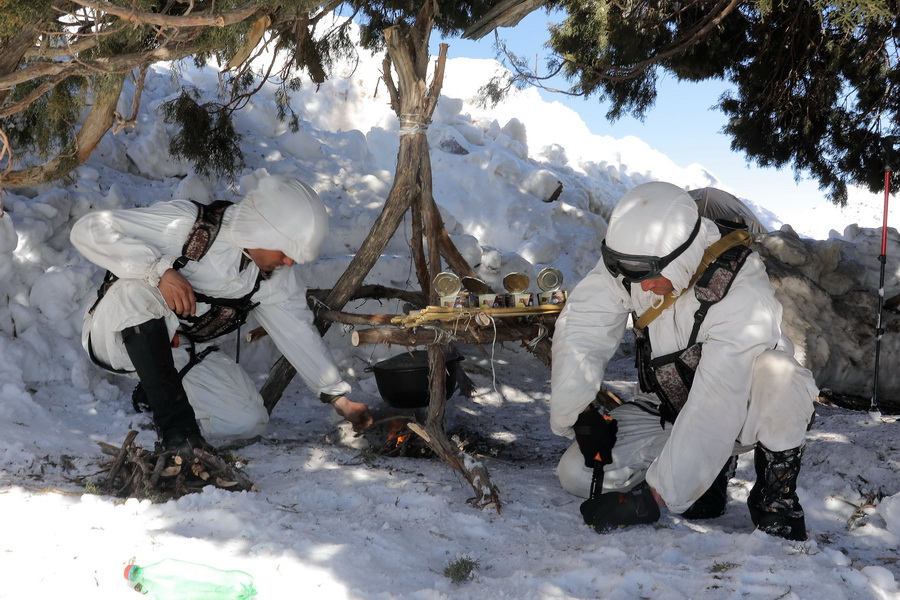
283,214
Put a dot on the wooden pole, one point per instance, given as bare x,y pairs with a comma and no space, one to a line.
414,104
421,336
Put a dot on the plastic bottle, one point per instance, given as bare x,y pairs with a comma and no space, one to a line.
172,579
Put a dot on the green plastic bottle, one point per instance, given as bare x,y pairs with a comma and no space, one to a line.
172,579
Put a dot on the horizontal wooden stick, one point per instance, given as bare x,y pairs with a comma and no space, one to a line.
431,335
481,316
335,316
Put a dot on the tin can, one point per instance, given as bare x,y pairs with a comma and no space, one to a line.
446,284
553,297
455,301
516,283
476,286
549,279
520,300
492,300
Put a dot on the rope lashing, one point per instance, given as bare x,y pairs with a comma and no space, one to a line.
412,124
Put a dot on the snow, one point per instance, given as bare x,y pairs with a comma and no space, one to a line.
331,518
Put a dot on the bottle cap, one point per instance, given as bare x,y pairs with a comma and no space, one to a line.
128,571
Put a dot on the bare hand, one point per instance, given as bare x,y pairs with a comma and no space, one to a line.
178,293
355,412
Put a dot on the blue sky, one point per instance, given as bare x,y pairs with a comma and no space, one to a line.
683,126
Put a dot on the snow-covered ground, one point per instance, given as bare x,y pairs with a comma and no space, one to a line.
331,518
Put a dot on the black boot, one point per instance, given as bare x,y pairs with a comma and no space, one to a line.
614,510
774,506
714,500
150,352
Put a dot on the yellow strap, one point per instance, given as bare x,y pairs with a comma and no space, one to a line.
714,251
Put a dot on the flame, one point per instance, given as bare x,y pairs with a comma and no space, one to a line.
397,432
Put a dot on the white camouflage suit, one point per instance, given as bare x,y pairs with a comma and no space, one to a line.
139,245
748,387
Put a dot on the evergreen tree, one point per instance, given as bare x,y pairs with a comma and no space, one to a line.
815,83
60,59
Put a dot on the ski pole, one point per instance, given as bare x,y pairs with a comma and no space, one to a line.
887,155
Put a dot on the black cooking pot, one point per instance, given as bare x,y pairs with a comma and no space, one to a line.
403,379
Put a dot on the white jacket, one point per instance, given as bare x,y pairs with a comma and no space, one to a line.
143,243
734,333
747,388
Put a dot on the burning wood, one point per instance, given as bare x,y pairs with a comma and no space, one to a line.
394,436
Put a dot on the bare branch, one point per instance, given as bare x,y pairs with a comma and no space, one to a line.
194,20
437,81
59,71
69,49
617,73
6,152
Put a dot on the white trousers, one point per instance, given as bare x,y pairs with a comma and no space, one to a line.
779,411
224,398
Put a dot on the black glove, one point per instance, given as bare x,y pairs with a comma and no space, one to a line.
596,435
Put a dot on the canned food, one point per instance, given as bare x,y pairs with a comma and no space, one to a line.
455,301
446,284
549,279
553,297
492,300
516,283
476,286
520,300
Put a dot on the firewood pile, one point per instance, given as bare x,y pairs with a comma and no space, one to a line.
134,472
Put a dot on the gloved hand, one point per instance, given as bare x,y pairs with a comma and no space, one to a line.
596,436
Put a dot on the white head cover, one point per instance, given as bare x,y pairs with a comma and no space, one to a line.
283,214
654,219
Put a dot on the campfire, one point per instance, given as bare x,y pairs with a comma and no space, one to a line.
391,435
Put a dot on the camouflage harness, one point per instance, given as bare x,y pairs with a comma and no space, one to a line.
670,377
225,314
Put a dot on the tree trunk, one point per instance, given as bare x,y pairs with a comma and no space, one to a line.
506,13
13,49
96,125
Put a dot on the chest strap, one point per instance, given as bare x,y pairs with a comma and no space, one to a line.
710,254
